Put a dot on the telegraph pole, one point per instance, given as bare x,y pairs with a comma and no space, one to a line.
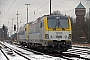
50,7
17,25
89,13
88,27
12,31
27,11
3,33
12,25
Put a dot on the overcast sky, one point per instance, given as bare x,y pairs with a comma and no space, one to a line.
9,8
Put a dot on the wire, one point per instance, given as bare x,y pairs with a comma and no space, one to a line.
60,3
32,3
40,7
74,8
54,7
3,6
12,6
45,5
8,9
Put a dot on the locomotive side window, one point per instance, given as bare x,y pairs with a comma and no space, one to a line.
41,25
25,29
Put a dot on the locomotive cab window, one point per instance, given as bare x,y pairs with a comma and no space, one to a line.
60,23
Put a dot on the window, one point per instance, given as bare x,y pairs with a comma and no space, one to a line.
41,25
61,23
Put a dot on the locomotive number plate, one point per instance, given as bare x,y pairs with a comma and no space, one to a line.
58,36
59,33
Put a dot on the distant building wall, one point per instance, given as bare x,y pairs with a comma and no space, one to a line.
3,34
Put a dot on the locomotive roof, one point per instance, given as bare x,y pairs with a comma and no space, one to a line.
54,16
48,16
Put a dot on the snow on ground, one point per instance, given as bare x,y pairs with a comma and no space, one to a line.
82,45
29,54
2,57
83,52
10,54
39,57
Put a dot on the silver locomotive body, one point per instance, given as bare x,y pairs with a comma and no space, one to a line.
51,32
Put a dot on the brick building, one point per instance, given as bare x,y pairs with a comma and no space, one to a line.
79,30
80,11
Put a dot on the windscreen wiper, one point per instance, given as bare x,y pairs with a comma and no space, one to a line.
58,23
61,26
55,26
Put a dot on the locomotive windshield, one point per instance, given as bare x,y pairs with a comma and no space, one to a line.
54,23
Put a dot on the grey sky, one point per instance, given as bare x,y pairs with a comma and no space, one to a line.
40,7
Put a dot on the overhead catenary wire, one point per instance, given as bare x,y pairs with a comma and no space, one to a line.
39,8
60,3
73,8
8,9
54,7
34,11
45,5
3,6
12,6
19,7
32,3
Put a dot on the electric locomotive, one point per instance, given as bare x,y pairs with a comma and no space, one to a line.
49,32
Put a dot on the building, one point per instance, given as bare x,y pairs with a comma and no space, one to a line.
79,31
3,33
80,12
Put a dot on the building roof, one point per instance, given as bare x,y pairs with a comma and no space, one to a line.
80,5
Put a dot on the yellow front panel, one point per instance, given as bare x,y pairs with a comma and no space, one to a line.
57,29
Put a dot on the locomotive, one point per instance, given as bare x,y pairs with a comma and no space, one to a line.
49,32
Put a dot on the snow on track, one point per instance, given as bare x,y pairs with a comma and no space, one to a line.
32,55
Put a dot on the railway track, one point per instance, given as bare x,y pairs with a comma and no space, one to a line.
32,55
64,55
8,52
67,55
74,53
53,54
18,52
4,54
81,53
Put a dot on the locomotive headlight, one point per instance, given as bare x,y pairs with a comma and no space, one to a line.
70,36
47,36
